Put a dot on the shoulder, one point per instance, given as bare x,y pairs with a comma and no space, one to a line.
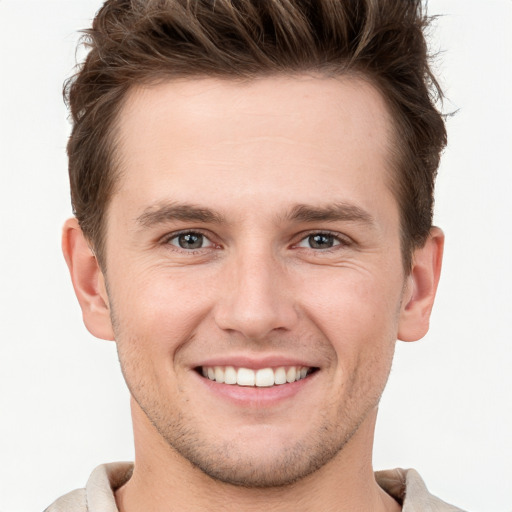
98,494
409,489
74,501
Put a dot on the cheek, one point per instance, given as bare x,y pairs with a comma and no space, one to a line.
158,311
360,322
356,311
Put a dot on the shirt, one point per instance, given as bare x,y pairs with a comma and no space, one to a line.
406,486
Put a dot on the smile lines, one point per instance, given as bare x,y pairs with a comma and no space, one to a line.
264,377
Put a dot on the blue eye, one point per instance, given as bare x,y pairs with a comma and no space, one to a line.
190,241
319,241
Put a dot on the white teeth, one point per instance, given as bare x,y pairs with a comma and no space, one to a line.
264,377
230,375
245,377
280,376
291,373
219,374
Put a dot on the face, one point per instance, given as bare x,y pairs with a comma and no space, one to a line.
254,270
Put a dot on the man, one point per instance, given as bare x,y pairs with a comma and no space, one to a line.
253,185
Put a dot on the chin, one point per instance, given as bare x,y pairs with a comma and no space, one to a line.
275,470
269,462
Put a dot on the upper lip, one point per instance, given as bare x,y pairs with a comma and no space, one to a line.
255,363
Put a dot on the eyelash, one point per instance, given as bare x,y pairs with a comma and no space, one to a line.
172,236
340,240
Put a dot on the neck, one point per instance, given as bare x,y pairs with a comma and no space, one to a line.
163,480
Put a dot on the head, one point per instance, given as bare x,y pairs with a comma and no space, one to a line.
255,182
144,42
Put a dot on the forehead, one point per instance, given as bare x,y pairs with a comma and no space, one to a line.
289,132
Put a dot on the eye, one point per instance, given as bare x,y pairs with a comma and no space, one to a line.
190,241
319,241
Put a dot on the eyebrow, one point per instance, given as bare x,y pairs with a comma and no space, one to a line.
330,213
161,213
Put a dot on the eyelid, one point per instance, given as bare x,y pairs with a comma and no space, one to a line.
166,239
342,239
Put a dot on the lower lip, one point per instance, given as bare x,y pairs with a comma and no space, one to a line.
250,396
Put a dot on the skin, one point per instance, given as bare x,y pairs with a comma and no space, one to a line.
255,168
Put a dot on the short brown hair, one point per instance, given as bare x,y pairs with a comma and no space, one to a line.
136,42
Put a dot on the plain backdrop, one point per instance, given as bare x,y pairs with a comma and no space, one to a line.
447,410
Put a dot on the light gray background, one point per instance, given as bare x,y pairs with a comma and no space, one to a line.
448,407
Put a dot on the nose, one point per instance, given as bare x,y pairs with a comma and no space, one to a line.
257,297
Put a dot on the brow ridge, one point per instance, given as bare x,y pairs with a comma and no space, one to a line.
330,213
161,213
166,212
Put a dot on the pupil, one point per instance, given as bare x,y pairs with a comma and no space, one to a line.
191,241
320,241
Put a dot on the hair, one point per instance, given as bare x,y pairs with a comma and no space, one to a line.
134,42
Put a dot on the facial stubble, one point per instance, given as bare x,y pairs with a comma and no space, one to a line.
229,461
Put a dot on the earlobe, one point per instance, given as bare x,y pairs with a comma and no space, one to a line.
421,288
88,281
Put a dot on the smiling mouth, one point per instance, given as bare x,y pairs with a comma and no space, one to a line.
261,378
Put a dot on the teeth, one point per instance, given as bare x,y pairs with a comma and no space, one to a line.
280,376
264,377
245,377
230,375
291,374
219,374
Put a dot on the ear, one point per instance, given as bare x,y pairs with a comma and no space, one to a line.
88,281
420,288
